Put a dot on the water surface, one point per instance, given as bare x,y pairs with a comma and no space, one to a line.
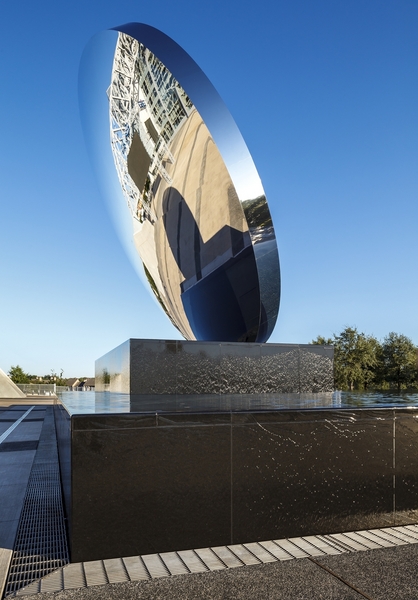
108,402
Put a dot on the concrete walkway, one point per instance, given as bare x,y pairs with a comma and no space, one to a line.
27,401
20,428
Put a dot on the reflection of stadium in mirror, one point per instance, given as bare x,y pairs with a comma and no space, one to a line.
204,249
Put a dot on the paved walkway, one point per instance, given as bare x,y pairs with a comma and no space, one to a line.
32,530
28,401
20,428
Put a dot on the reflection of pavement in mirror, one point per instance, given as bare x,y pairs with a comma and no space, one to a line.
198,215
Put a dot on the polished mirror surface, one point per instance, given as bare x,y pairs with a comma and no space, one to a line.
193,205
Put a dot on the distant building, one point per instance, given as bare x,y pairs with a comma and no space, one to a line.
73,383
81,385
88,385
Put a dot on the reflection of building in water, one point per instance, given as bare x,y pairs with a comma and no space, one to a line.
147,106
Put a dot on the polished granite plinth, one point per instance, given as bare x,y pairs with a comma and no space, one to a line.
142,482
173,367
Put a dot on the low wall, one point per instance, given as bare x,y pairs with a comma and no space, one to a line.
155,482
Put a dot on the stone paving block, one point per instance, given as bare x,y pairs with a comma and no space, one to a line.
210,560
227,557
74,577
95,573
306,546
53,582
378,539
193,560
265,551
292,549
135,568
390,537
273,549
174,563
361,539
115,570
244,555
323,545
155,566
348,542
5,558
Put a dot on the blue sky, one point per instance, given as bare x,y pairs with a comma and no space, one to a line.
325,93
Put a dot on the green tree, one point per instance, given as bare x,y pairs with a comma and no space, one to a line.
399,360
18,375
61,379
58,379
323,341
371,348
355,359
55,378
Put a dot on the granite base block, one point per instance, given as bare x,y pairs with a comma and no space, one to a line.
139,483
173,367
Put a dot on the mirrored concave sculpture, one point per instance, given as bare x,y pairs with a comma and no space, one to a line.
182,184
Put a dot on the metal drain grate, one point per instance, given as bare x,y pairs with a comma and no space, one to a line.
41,541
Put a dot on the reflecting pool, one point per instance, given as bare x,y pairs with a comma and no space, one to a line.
107,402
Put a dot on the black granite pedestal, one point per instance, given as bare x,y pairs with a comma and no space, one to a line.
139,483
149,368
